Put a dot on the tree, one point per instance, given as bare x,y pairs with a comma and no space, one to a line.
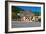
15,10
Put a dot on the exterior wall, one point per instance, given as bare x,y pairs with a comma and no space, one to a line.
26,15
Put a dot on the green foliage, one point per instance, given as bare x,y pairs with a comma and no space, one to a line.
37,13
15,10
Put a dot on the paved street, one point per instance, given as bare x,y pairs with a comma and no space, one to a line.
16,24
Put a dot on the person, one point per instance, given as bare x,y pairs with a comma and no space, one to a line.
39,20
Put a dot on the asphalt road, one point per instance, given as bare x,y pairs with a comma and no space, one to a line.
16,24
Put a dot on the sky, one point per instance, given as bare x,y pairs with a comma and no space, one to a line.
33,8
